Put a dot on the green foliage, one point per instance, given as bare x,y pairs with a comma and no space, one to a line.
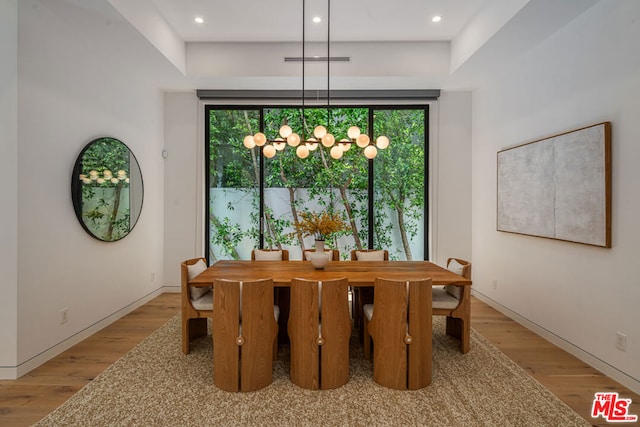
334,185
105,209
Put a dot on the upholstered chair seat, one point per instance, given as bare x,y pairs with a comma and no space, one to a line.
197,302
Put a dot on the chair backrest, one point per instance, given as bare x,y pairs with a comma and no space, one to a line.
370,255
335,254
462,268
319,318
270,255
244,330
188,270
401,331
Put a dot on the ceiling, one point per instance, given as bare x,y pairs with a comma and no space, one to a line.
351,20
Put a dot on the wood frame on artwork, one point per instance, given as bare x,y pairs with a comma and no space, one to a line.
558,187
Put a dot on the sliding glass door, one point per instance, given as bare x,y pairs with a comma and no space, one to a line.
253,201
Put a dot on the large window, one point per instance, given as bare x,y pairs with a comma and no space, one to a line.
255,202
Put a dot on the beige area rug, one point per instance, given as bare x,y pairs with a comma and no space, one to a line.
156,385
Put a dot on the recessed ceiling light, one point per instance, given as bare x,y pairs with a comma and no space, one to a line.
436,18
199,19
317,19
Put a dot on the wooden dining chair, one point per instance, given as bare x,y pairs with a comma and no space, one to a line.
197,302
399,324
281,295
270,255
335,254
245,330
319,331
455,303
364,295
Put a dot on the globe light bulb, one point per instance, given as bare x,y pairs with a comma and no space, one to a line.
269,151
336,152
293,140
115,180
279,144
362,140
302,151
320,131
328,140
345,144
260,139
249,142
312,144
285,131
353,132
382,142
370,152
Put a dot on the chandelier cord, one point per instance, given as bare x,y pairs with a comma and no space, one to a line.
303,72
328,62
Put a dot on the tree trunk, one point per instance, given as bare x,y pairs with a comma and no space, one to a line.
114,212
403,231
352,221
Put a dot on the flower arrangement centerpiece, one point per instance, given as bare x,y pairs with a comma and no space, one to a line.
321,226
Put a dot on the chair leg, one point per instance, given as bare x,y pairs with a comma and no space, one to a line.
275,349
454,327
191,329
366,337
460,329
185,335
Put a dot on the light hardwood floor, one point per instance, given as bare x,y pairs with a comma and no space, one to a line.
28,399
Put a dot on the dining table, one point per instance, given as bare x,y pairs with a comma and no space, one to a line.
359,274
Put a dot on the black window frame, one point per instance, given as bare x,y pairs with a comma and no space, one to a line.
371,164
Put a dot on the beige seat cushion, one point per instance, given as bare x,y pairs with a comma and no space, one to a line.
196,292
367,309
262,255
205,302
457,268
370,256
443,299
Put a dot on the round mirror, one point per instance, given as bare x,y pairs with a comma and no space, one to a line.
106,189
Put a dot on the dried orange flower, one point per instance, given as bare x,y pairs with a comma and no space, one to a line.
321,225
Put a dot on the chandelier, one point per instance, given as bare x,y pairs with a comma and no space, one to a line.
321,136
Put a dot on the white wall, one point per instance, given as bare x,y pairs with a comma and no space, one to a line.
9,179
451,161
83,74
578,296
184,184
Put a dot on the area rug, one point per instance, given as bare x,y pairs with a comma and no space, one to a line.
156,385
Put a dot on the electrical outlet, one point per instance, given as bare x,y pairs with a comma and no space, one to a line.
152,276
621,341
494,284
64,315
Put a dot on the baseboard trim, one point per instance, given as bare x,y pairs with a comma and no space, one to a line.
588,358
14,372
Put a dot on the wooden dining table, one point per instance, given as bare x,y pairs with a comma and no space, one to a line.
358,273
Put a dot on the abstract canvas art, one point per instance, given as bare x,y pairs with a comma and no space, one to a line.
558,187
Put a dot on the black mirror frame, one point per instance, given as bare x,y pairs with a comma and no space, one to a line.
76,190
